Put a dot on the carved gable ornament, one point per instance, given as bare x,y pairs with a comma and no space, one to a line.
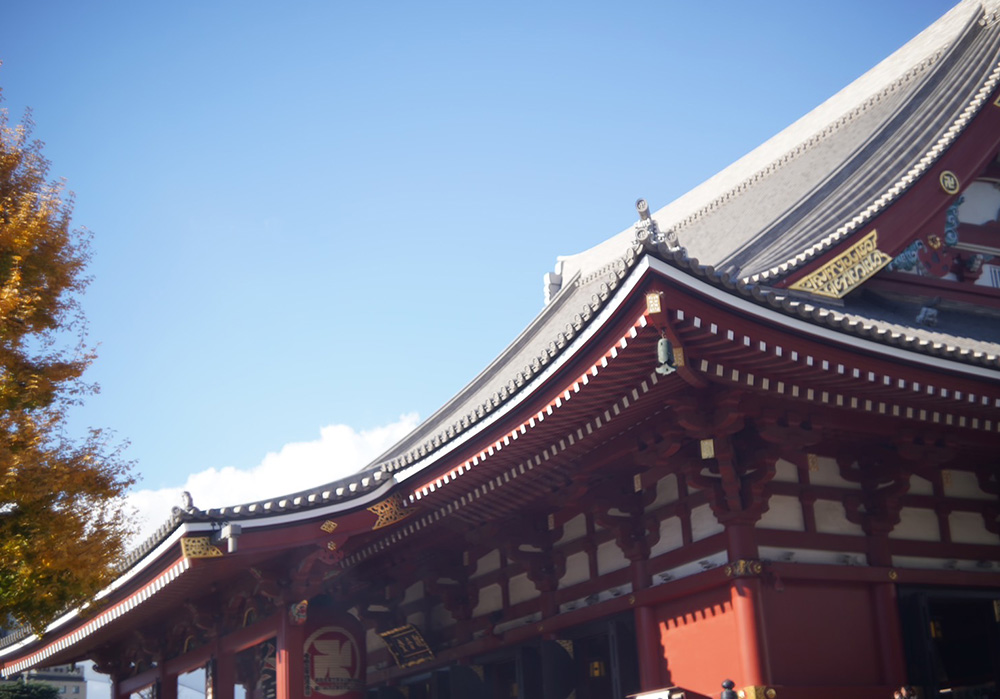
847,271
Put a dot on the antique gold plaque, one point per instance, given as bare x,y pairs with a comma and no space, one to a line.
847,271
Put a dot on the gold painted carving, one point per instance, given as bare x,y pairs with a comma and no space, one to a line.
407,646
743,568
813,461
707,449
757,693
389,511
847,271
198,547
653,304
328,526
678,357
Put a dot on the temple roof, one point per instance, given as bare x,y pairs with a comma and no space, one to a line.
784,202
778,207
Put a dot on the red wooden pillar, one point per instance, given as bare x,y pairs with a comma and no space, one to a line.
890,638
289,669
745,596
220,674
166,684
647,633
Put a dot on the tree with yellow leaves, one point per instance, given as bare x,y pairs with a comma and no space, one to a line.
61,527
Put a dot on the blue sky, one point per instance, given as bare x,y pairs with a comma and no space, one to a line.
327,214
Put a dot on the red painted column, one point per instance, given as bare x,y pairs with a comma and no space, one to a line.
890,638
288,661
647,637
745,596
166,685
225,675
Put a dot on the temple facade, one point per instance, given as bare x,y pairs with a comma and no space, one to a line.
752,437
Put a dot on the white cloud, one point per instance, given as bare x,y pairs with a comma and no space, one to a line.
339,451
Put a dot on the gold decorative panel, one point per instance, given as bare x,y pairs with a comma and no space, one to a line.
407,646
199,547
847,271
708,449
389,511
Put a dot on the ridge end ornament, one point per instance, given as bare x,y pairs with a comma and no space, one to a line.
648,234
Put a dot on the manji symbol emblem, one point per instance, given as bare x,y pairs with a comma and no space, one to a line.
332,663
949,182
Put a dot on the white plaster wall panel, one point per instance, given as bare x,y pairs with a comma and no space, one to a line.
670,536
970,528
828,473
943,564
574,529
963,484
694,567
577,570
417,619
919,562
610,558
703,523
666,492
786,472
440,617
831,518
487,564
522,589
783,512
981,203
771,553
413,592
490,600
920,486
917,524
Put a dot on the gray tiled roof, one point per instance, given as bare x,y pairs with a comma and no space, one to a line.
823,171
783,199
838,166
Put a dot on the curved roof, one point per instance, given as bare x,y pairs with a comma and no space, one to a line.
830,171
786,201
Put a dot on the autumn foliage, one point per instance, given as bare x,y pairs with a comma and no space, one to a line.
61,528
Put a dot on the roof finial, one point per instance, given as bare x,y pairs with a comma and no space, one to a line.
648,233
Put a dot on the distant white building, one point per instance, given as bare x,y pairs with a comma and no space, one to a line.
68,679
